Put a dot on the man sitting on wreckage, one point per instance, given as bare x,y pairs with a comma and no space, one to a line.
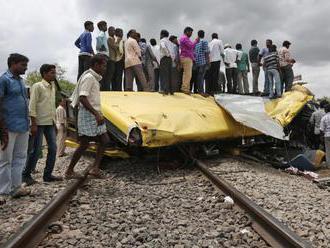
91,125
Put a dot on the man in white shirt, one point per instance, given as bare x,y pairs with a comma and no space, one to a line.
325,131
315,122
231,58
103,48
91,123
156,50
216,53
166,60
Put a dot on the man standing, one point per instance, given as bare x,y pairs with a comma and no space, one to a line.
133,64
84,43
325,132
187,58
148,64
315,122
113,49
264,52
202,60
166,60
14,127
216,52
286,63
175,54
117,83
231,58
91,125
243,68
271,64
61,125
43,118
103,48
253,55
156,51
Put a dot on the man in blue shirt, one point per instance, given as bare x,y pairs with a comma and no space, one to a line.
14,127
202,60
265,52
84,43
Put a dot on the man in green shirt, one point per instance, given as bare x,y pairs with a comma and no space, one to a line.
43,114
243,69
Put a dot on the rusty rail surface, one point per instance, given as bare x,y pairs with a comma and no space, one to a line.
268,227
34,231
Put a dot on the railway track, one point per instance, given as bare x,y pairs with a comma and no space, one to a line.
270,229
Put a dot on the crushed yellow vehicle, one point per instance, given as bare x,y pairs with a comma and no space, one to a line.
153,120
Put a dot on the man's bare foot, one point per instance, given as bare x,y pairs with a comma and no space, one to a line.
96,173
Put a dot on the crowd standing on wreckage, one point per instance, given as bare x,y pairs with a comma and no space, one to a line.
175,65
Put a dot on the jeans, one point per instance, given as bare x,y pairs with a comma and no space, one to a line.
231,75
12,161
266,84
211,85
166,77
327,149
117,82
287,77
50,135
201,69
255,76
83,64
156,72
107,78
136,72
274,77
243,82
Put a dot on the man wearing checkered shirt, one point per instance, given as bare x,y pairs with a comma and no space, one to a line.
202,60
325,132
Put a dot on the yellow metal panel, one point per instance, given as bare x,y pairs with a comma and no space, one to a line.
108,152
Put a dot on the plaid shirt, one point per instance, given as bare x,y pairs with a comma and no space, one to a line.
201,49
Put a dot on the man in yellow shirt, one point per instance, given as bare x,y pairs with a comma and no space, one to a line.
43,113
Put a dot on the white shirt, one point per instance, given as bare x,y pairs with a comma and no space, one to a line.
165,48
156,50
325,125
231,56
90,87
216,49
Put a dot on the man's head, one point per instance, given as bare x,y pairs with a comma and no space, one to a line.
188,31
102,25
174,39
272,48
143,40
62,102
214,36
269,43
137,36
153,42
286,44
254,42
238,46
119,32
89,26
323,103
201,34
17,63
164,34
131,33
111,31
327,108
98,63
48,72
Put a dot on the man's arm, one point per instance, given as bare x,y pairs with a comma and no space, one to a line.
77,43
89,43
33,109
88,106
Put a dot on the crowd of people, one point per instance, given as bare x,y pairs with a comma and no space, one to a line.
172,66
185,65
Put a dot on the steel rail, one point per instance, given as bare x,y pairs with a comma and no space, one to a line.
268,227
34,231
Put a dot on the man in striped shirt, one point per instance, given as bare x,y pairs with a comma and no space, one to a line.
271,64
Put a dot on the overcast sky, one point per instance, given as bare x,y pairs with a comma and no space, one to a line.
45,30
